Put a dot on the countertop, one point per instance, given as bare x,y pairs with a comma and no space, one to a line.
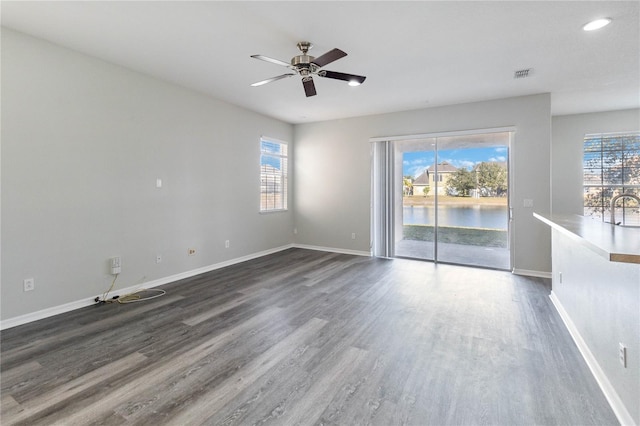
615,243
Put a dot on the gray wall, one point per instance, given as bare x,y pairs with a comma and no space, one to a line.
602,299
83,142
566,152
333,171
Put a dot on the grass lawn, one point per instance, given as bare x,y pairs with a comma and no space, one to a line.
457,235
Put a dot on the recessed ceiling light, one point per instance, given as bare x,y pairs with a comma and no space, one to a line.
597,24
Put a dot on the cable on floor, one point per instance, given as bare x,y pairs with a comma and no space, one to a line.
129,297
135,297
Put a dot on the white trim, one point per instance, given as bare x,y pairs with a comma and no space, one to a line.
333,250
529,273
45,313
269,138
610,393
71,306
441,134
627,133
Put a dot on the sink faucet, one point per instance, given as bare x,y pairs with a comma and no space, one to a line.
613,204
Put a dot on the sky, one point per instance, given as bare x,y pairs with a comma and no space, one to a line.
414,163
271,154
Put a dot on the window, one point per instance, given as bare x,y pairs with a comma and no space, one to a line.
273,175
611,166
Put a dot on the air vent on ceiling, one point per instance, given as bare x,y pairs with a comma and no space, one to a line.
522,73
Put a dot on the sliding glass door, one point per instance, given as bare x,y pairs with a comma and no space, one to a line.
451,199
473,210
415,225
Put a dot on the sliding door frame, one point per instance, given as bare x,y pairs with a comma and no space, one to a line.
384,227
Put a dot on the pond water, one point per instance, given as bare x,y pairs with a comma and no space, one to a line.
494,217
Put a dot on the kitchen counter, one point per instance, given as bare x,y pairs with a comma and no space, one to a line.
614,243
596,290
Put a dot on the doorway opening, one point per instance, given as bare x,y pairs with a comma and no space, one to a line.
447,198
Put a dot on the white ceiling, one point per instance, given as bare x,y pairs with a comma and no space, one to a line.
415,54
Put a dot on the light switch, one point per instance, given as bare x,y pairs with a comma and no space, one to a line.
158,183
528,202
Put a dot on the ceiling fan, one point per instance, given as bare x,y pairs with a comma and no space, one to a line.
307,66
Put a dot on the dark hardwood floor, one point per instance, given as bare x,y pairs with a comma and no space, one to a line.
307,337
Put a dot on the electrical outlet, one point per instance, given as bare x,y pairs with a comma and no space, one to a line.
226,244
353,235
622,354
295,230
191,252
158,258
29,284
116,265
527,202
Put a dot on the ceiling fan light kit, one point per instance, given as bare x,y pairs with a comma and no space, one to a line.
307,66
596,24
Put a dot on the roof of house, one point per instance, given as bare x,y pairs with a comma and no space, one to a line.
444,167
423,179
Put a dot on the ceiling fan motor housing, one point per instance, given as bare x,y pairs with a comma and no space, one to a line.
302,61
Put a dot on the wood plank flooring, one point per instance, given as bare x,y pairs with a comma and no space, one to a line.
307,337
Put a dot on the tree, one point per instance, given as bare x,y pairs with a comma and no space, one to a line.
492,179
407,185
611,165
426,190
461,182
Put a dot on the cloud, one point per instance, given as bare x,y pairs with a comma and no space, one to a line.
501,149
465,163
415,171
458,163
416,166
498,159
417,162
420,161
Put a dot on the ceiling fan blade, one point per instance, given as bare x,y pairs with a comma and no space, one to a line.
327,58
269,80
273,61
351,78
309,87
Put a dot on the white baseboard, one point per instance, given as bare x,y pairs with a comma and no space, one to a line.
529,273
45,313
67,307
333,250
610,393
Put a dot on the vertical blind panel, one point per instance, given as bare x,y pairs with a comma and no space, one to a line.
382,209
